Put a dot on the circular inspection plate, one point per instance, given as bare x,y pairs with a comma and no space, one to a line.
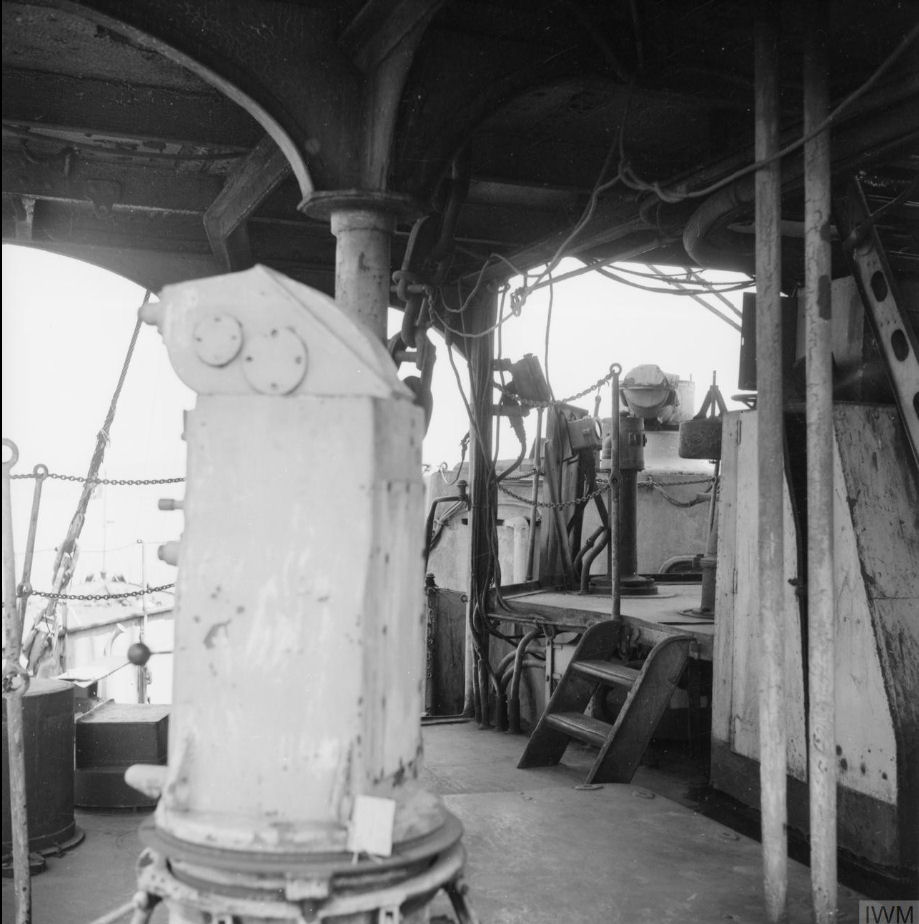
218,339
275,363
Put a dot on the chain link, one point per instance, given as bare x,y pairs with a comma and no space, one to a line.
82,480
50,595
651,483
546,505
558,402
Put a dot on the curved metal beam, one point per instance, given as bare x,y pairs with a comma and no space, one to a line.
278,63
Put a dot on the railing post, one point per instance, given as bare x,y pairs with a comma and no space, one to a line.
770,464
819,409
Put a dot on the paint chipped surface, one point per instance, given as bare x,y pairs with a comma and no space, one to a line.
298,674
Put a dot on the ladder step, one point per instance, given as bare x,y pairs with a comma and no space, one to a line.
613,673
580,726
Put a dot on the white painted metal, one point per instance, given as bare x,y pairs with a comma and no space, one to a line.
261,301
738,624
299,611
876,532
218,339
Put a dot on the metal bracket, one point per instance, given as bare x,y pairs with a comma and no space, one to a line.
877,285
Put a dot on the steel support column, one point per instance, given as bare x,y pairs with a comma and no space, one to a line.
363,223
821,610
362,264
770,466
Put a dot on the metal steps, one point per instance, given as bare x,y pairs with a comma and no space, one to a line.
622,744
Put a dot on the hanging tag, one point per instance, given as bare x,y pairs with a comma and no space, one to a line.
372,826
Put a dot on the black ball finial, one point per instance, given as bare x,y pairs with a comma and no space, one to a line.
139,654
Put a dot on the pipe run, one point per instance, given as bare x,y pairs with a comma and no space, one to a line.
514,703
507,678
589,553
534,503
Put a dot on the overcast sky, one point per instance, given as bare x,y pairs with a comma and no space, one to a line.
66,328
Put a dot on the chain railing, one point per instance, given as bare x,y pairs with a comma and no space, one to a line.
51,595
558,402
560,505
82,479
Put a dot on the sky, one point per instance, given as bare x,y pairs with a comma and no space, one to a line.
66,329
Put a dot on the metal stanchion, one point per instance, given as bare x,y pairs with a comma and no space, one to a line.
15,684
821,615
771,469
615,594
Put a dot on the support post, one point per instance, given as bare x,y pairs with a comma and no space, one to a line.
770,464
363,223
15,684
819,415
362,265
534,506
615,571
249,183
483,488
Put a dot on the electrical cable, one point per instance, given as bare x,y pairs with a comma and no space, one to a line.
442,468
609,274
686,277
672,194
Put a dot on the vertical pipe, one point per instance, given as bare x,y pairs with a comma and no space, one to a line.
628,522
819,410
614,574
770,465
521,529
483,488
362,264
14,687
710,560
534,506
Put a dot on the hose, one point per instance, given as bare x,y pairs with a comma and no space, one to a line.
514,703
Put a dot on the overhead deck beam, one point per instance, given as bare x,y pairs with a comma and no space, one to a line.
142,188
251,181
48,101
287,73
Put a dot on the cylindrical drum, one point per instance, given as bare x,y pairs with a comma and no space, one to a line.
47,708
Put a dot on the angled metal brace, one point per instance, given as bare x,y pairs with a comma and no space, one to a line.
877,285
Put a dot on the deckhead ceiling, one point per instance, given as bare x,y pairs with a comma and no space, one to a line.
131,131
